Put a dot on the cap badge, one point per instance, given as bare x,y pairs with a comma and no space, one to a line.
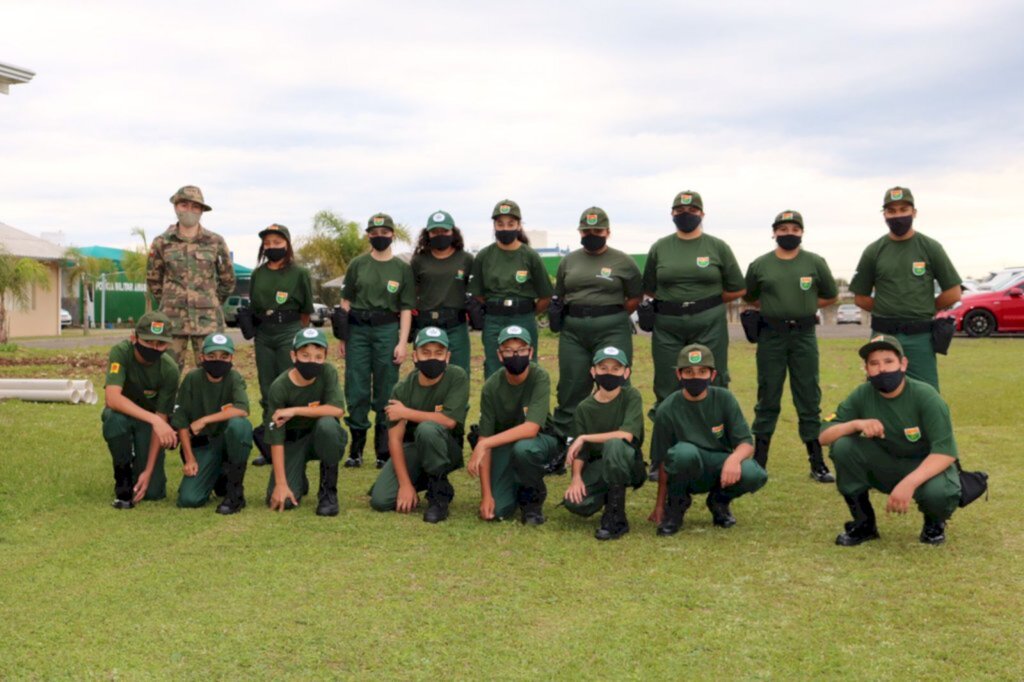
310,333
157,327
695,356
220,338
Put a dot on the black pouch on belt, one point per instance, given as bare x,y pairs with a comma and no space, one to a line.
750,320
556,314
246,323
943,330
645,315
339,323
475,310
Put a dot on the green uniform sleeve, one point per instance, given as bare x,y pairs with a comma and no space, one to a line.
181,417
407,296
826,282
651,270
276,399
662,437
633,419
401,393
633,282
333,394
305,292
848,410
560,280
351,283
117,366
737,429
753,284
938,427
945,274
239,396
539,402
476,279
732,276
456,402
863,282
539,274
486,411
168,390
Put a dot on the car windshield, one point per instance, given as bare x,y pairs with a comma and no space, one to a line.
1001,280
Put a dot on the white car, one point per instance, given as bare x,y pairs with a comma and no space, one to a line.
65,318
848,314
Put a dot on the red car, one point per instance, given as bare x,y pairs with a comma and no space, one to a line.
981,313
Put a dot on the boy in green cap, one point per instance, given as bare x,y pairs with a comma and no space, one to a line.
893,434
305,404
212,418
515,435
701,444
427,414
139,394
604,456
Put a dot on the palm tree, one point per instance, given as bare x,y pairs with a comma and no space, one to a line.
87,270
17,277
135,262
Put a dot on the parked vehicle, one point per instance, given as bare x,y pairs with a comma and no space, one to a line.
231,307
321,314
65,318
983,313
848,313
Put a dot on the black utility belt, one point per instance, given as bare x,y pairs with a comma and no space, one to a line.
798,324
292,435
687,307
574,310
509,306
888,325
279,316
372,318
445,318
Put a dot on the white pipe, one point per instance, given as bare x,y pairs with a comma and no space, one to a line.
82,385
45,396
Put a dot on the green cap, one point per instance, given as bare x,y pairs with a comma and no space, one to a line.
594,218
440,219
506,207
695,355
304,337
190,193
881,342
217,341
380,220
897,194
688,198
154,326
514,332
611,353
431,335
789,217
276,229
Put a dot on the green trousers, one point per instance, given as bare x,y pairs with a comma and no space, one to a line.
273,347
921,361
458,345
579,339
672,332
231,446
620,464
863,464
519,465
370,373
128,441
694,470
326,442
797,352
493,324
433,452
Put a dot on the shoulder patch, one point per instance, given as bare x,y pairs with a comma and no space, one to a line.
831,417
115,367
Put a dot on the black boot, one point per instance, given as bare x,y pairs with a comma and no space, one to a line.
259,439
234,497
819,472
380,444
220,487
761,445
675,507
439,494
718,505
123,492
614,523
355,448
328,495
531,501
933,532
474,436
556,467
863,527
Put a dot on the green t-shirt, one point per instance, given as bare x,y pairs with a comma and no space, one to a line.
903,276
916,422
715,423
608,278
441,282
789,289
379,285
504,406
449,396
624,413
682,270
325,390
151,387
199,397
502,274
289,288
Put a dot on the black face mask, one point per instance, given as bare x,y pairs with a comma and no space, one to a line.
900,226
592,242
274,255
432,368
687,222
609,382
309,370
695,386
441,242
887,382
506,236
788,242
149,355
516,364
380,243
217,368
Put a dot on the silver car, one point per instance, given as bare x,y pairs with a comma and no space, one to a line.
848,314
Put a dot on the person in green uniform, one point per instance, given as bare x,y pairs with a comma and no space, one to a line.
515,433
305,404
379,294
142,381
605,457
690,275
701,444
893,433
510,280
427,414
788,286
212,419
903,268
599,287
441,268
281,298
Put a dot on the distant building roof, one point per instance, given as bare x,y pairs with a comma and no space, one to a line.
116,255
25,245
13,75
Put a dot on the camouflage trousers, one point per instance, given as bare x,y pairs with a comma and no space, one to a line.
178,346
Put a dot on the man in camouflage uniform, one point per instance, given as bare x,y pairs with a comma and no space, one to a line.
189,275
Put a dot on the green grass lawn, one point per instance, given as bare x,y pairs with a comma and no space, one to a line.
158,592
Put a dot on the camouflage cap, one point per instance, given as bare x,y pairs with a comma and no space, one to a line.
789,217
611,353
217,341
304,337
688,198
190,193
897,194
431,335
276,229
514,332
440,219
594,218
695,355
506,207
881,342
380,220
154,326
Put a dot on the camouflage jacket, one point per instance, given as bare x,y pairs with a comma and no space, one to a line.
189,280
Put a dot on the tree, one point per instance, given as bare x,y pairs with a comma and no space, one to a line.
135,262
17,278
87,270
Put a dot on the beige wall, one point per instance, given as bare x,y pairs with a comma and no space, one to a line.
41,317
